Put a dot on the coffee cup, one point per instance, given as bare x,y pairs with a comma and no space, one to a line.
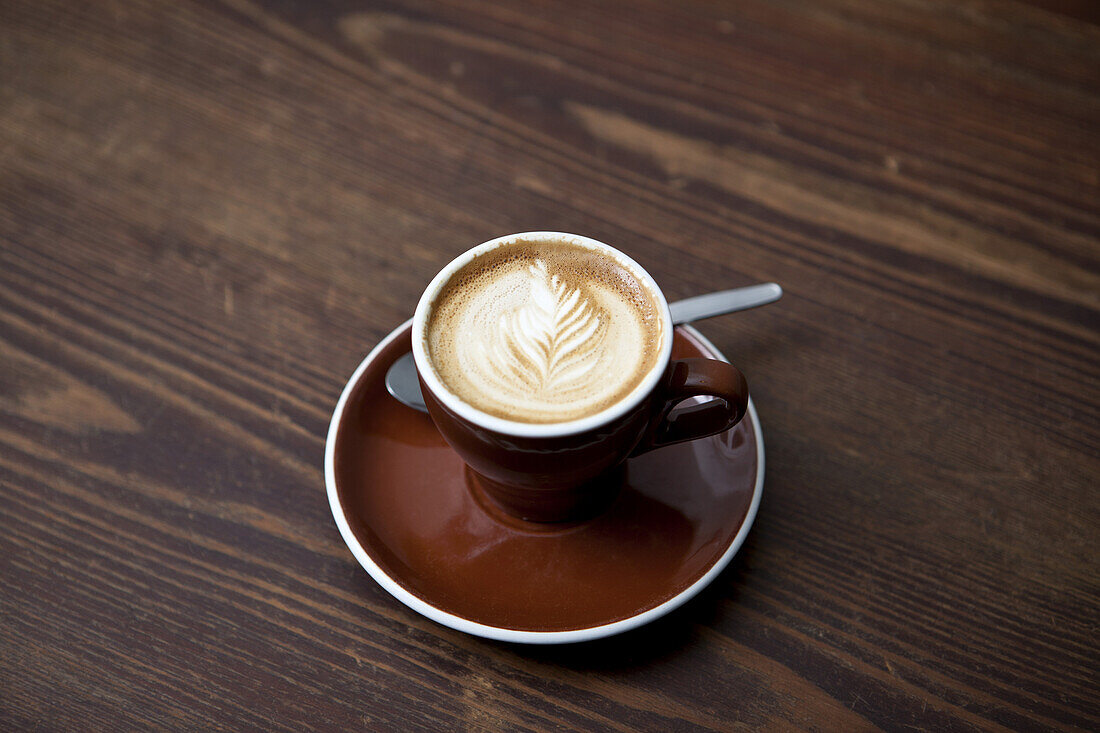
545,363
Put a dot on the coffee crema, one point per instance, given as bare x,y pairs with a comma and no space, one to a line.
543,331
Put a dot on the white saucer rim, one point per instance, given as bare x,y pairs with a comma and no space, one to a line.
515,635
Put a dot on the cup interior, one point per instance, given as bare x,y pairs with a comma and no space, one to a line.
468,412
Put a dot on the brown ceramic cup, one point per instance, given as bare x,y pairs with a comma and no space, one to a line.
554,472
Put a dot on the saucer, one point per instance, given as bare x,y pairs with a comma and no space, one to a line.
399,496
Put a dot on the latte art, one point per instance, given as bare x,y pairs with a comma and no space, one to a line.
549,341
543,332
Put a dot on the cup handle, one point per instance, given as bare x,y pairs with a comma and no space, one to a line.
688,378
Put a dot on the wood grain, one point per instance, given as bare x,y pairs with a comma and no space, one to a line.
209,212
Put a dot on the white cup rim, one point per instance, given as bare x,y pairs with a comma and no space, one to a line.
496,424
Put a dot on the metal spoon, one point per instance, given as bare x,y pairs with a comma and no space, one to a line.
402,382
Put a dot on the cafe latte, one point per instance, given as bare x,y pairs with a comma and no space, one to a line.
543,331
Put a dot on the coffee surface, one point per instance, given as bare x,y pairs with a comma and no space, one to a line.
543,332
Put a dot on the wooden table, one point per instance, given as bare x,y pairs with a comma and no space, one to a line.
210,212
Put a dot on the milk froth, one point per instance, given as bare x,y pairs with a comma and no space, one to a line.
543,332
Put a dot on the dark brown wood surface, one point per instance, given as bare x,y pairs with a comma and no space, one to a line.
210,212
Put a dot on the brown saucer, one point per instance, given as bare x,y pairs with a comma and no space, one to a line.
399,496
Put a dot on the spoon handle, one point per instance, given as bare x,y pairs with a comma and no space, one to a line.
725,301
